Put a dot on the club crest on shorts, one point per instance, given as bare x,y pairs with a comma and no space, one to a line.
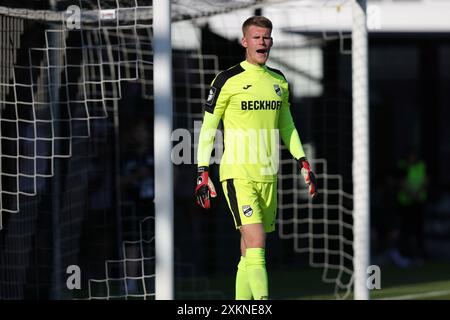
277,89
248,211
211,95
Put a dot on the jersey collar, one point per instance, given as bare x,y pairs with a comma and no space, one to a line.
253,67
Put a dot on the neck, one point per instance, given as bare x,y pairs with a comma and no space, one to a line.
255,63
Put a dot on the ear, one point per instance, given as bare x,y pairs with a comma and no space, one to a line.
244,42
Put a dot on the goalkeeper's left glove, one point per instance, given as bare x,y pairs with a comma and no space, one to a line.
308,175
204,189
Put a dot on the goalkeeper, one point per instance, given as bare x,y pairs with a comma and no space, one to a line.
253,102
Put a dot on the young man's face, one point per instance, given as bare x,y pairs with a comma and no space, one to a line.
257,41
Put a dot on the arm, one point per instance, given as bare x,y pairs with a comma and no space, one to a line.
288,132
205,188
214,109
291,140
206,138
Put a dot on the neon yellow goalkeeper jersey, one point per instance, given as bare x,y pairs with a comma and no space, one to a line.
253,103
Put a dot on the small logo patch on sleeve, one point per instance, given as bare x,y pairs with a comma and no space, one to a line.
277,89
211,96
248,211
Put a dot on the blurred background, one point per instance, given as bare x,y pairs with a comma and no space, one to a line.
77,157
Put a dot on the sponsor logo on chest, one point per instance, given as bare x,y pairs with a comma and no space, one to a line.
262,104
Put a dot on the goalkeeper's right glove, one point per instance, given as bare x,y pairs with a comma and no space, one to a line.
308,175
204,189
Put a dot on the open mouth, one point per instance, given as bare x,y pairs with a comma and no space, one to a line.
262,51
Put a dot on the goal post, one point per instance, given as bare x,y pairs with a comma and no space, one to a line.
164,231
361,168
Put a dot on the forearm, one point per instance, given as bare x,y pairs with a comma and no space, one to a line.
291,140
206,138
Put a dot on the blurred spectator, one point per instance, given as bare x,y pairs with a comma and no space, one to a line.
411,197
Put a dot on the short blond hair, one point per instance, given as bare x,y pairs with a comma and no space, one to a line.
259,21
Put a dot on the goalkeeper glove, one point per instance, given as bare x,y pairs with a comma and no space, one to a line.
308,175
204,189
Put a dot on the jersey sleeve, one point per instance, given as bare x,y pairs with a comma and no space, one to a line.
215,106
286,127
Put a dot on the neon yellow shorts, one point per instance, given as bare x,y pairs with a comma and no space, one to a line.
252,202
